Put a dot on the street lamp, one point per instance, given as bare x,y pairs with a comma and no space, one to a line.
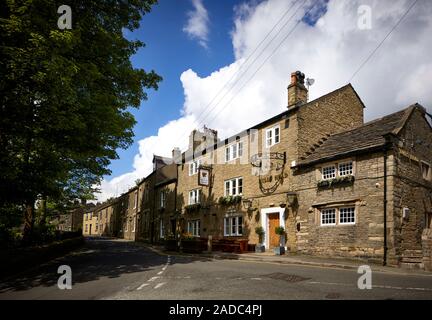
291,198
247,203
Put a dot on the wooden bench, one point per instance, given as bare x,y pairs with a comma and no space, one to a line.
230,245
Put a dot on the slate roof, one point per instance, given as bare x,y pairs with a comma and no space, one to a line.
366,137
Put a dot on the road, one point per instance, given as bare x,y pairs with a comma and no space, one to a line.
115,269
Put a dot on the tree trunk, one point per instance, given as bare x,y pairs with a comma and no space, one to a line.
42,220
28,222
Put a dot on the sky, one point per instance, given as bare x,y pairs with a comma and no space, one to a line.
227,64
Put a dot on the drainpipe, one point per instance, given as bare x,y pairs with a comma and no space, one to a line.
152,225
385,206
175,208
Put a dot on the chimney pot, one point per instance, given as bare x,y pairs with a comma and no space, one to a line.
297,92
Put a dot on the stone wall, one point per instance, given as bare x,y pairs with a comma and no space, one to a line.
411,189
363,239
336,112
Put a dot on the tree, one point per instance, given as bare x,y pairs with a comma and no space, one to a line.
64,96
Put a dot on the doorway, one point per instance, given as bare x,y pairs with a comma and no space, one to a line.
270,219
273,222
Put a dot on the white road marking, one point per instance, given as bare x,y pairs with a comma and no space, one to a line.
143,285
159,285
160,272
153,279
256,278
373,286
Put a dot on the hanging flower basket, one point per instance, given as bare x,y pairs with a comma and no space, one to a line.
230,200
335,182
193,208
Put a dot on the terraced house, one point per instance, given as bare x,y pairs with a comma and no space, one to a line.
339,186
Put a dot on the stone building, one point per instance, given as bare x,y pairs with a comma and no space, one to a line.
72,220
337,185
107,218
90,223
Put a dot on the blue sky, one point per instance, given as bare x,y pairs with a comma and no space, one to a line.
169,51
197,54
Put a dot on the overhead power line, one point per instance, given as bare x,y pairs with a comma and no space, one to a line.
236,74
262,64
382,41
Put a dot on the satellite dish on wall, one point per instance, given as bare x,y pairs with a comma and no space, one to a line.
310,82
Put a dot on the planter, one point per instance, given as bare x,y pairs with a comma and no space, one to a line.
171,245
259,248
279,251
191,246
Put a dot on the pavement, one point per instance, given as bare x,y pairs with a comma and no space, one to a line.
290,259
110,269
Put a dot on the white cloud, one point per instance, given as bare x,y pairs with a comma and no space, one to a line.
398,74
197,26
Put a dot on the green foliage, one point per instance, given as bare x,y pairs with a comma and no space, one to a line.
188,237
280,231
65,96
193,208
335,181
259,231
230,200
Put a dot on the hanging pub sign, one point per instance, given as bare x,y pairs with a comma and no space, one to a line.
204,176
270,168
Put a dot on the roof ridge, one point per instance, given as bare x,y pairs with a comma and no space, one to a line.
374,121
222,141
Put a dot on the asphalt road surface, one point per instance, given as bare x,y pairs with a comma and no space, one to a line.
115,269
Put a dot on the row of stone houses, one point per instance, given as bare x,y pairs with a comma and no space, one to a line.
339,186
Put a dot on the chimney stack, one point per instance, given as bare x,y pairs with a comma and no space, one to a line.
297,92
176,155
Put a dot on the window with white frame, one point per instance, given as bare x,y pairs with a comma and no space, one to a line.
146,194
272,136
86,228
329,172
426,171
347,215
233,226
337,170
328,217
161,229
345,169
193,167
96,226
233,151
162,199
338,216
194,227
234,187
194,196
133,224
126,225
